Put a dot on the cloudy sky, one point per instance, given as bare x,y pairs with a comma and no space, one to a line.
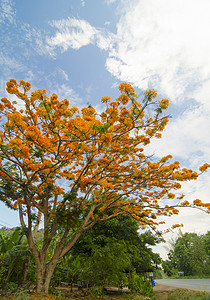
83,49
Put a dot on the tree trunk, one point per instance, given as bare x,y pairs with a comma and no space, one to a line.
25,270
71,285
45,272
44,275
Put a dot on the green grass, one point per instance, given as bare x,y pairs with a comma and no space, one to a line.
190,277
182,294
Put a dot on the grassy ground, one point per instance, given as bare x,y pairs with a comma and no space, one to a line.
51,297
182,294
176,294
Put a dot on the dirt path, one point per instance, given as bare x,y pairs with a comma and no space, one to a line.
162,291
161,287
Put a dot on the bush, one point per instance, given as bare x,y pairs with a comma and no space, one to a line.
158,274
96,291
139,286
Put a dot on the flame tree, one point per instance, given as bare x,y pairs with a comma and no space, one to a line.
99,157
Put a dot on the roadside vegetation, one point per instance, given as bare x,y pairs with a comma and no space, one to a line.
114,254
189,256
183,294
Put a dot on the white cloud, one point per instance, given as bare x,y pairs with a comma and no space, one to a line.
105,40
185,137
10,63
107,23
71,33
65,91
63,74
7,11
76,33
163,43
34,39
110,1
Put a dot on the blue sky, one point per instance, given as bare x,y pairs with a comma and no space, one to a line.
82,50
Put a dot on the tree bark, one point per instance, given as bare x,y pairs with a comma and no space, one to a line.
44,275
25,270
45,271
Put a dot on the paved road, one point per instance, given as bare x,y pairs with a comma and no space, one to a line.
192,284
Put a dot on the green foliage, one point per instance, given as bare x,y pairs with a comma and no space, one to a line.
96,291
67,270
168,267
15,260
190,254
31,276
22,295
8,241
206,243
140,286
123,229
107,264
12,286
105,254
102,256
158,274
13,253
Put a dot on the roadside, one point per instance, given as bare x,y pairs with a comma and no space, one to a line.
162,292
166,292
170,294
162,288
189,284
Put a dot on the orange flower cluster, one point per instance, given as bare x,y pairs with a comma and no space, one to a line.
123,99
163,104
150,94
204,167
126,88
105,99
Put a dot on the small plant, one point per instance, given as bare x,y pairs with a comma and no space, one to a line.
54,292
12,286
139,286
96,291
22,295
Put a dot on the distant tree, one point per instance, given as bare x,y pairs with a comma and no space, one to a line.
189,255
167,267
206,241
100,156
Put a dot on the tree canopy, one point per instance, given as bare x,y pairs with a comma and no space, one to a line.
100,156
122,229
189,254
